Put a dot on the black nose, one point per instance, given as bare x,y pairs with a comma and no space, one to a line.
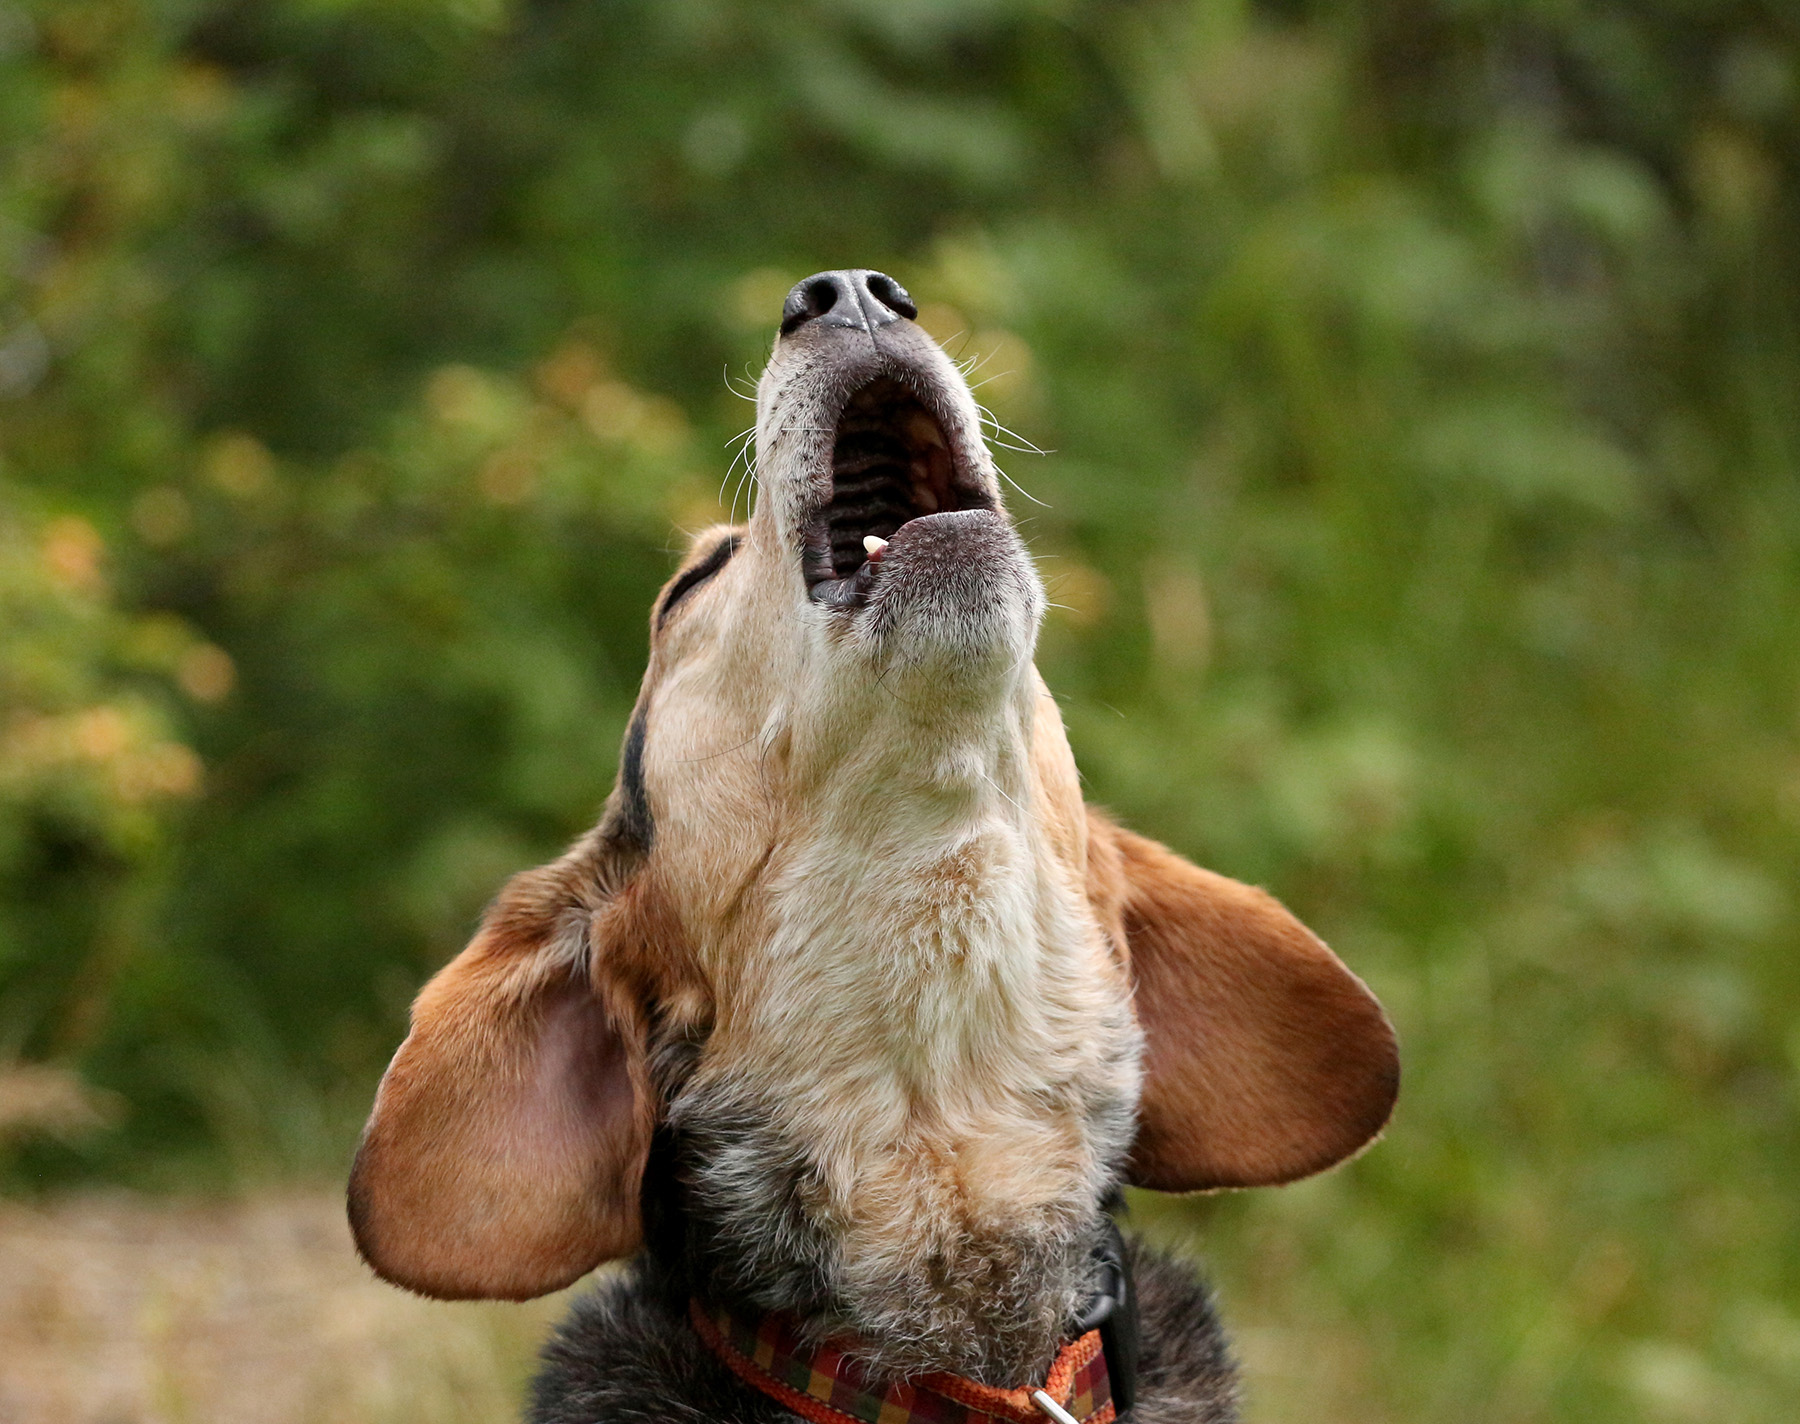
857,298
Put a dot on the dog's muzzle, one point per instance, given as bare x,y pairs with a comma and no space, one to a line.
902,451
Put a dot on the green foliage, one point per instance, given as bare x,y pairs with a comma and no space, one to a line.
1425,514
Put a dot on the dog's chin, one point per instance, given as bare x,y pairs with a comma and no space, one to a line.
954,592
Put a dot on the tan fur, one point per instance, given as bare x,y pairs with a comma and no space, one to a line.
1266,1059
505,1147
877,890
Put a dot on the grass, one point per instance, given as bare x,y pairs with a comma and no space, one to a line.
119,1309
127,1309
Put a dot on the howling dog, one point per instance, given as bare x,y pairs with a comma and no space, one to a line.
849,1021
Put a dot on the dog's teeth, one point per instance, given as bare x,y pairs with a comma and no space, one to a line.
873,546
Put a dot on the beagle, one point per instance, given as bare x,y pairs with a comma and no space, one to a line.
849,1019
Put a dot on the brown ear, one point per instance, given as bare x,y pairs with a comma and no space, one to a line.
1265,1058
504,1152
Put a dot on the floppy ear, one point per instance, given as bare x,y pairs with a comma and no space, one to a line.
504,1152
1265,1058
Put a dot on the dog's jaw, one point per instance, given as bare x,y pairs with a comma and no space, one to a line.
859,432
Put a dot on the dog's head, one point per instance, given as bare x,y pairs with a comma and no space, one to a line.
845,792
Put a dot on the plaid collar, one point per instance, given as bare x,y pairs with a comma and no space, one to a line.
820,1383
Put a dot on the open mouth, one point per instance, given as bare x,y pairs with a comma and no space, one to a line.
890,464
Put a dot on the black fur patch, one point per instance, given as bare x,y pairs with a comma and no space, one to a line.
695,576
742,1188
629,824
627,1355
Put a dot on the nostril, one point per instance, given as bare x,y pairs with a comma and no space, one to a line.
854,299
807,301
891,295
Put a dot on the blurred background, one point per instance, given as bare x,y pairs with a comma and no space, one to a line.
1422,382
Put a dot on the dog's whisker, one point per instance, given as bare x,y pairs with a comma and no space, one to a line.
742,442
725,751
734,390
988,418
1042,504
746,483
746,480
1001,792
977,362
745,455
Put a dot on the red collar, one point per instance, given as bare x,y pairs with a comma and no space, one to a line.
822,1384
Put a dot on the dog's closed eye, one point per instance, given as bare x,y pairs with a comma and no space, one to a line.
716,559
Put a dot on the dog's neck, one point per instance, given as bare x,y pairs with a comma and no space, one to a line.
923,1079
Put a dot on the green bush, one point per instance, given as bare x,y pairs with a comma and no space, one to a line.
1424,519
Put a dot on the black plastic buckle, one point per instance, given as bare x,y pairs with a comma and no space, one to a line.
1114,1313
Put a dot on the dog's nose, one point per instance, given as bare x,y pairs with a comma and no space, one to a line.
855,298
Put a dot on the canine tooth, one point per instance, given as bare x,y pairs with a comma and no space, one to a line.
872,545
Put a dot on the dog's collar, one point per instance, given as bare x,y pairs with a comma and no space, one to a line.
823,1384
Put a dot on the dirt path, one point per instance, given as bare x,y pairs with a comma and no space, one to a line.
115,1310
